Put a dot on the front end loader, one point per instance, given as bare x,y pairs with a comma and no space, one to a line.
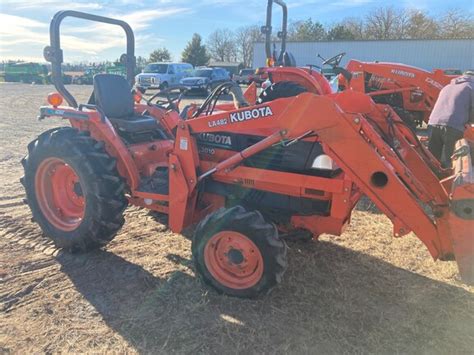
295,159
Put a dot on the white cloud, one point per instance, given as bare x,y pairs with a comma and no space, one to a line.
143,18
18,30
20,33
324,4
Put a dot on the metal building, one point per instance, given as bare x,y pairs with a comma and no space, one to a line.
425,54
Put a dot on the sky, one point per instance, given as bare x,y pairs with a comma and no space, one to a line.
24,24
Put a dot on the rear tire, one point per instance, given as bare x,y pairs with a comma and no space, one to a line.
64,166
237,253
280,90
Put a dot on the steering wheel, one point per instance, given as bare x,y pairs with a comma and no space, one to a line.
334,61
311,66
173,96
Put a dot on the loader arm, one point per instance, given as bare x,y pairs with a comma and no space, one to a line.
398,176
394,78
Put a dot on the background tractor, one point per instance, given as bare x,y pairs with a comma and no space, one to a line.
25,73
411,92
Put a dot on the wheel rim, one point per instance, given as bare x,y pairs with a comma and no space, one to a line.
60,194
233,260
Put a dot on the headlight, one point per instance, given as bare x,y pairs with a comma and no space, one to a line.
324,162
200,81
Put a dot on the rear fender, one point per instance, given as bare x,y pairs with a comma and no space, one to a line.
314,82
103,131
251,94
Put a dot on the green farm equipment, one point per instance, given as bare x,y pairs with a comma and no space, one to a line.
117,69
26,73
87,76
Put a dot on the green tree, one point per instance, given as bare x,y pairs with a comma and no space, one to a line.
160,55
195,52
356,26
306,30
421,26
340,32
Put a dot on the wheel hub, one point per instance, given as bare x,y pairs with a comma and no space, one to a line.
78,189
60,194
234,260
235,256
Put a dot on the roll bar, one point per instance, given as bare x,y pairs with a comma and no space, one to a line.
54,54
267,29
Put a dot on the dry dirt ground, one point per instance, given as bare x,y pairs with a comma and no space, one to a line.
364,292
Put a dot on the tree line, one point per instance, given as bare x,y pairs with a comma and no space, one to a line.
382,23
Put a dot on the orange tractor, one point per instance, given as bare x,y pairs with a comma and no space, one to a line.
296,160
410,91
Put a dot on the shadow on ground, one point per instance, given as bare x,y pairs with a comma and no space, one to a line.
332,300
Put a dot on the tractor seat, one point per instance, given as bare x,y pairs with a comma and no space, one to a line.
135,124
113,95
287,59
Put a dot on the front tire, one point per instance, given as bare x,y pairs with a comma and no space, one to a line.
237,253
73,189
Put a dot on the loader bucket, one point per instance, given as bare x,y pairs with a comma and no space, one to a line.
461,214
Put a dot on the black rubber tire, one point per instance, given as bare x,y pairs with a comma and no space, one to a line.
252,225
280,90
164,86
103,188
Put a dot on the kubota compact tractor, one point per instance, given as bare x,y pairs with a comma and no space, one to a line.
410,91
299,160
